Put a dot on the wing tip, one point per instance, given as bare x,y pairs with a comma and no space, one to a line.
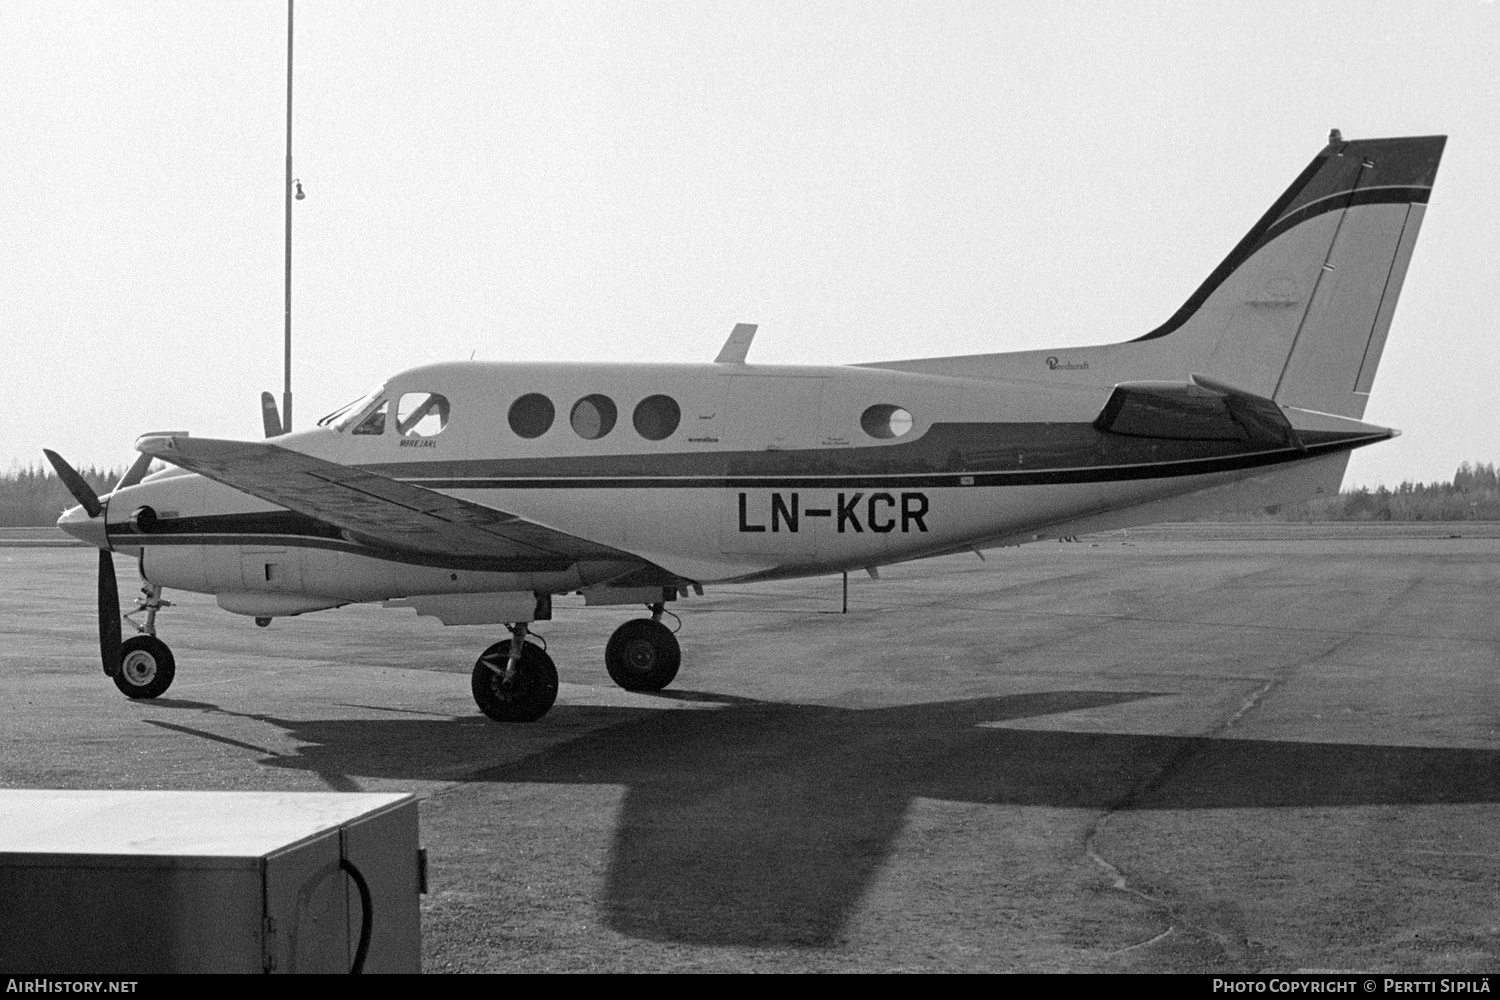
156,444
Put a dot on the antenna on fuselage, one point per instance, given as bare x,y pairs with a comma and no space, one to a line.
269,417
737,346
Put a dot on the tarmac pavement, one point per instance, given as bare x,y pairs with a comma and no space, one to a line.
1197,749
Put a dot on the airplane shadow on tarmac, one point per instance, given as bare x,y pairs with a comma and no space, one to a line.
763,824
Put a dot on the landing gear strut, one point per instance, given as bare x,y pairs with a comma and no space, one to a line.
643,654
147,666
514,680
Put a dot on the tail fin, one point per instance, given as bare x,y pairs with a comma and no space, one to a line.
1300,309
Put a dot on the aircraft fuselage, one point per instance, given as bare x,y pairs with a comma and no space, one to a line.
768,472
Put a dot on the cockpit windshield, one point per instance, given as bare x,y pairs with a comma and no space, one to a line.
345,415
416,414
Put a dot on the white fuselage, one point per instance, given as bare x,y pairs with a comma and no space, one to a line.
769,472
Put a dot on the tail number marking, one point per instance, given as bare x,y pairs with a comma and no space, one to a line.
882,513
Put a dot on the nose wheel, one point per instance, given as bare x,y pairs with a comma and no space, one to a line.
643,654
146,667
146,664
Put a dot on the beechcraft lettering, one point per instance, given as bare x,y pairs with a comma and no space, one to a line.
883,512
480,492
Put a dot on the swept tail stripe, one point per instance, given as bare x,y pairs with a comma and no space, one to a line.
1407,166
1346,199
1258,239
1241,252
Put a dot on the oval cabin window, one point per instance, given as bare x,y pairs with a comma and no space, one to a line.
593,416
885,421
531,415
656,417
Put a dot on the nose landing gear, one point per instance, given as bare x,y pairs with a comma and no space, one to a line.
147,666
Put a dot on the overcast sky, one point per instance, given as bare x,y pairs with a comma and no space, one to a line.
619,181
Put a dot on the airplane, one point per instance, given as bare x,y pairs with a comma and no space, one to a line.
475,492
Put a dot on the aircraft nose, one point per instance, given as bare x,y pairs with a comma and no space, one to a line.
76,522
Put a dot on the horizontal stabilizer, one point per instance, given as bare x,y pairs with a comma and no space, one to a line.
1200,410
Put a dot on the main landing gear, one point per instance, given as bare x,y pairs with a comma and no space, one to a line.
146,664
643,654
515,680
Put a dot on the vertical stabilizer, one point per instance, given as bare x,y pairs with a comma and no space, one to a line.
1300,309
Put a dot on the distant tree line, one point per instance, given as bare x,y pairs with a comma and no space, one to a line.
34,497
1473,495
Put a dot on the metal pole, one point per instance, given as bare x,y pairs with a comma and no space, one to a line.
286,387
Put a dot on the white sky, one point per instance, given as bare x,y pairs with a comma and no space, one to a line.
622,181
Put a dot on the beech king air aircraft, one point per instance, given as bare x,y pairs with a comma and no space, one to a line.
475,491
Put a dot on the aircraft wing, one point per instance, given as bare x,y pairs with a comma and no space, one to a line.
376,510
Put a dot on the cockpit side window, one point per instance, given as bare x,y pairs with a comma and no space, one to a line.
375,422
421,414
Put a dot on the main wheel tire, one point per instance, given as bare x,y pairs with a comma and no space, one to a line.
146,667
642,655
528,695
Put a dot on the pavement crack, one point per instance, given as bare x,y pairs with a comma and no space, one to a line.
1143,944
1119,883
1169,911
1251,702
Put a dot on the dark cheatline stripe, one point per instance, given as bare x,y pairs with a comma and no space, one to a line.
1169,469
119,538
128,539
268,523
948,455
945,452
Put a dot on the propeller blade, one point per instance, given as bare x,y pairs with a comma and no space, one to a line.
135,473
109,590
269,416
76,484
109,614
